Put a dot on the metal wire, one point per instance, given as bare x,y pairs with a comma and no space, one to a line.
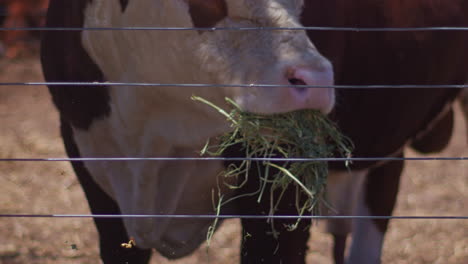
350,29
312,28
232,159
199,85
452,217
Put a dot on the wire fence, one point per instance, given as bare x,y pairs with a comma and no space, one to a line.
310,217
253,85
234,159
180,85
352,29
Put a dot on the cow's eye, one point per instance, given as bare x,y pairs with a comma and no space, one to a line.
206,13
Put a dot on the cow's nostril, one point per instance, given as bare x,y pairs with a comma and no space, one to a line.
296,81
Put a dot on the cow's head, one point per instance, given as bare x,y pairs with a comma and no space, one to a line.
278,57
164,121
262,57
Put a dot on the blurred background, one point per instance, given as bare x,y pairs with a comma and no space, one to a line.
19,14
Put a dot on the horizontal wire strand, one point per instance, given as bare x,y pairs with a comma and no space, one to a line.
311,28
353,29
179,216
232,159
199,85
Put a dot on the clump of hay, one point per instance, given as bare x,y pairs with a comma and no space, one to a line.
298,134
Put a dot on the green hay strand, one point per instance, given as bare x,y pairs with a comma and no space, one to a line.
298,134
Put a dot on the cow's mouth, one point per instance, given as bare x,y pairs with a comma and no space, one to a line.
305,134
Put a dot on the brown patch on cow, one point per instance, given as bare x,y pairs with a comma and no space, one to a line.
436,137
206,13
422,13
403,13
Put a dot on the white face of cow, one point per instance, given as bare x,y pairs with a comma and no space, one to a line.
284,58
164,121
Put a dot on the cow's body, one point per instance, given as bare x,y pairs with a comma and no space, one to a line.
136,121
382,121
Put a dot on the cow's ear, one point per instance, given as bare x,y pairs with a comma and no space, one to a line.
206,13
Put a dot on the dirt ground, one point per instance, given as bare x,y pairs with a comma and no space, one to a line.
29,128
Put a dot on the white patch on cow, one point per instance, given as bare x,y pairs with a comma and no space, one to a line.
225,57
150,187
164,121
367,240
346,195
343,188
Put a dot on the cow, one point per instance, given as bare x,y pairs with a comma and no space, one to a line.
17,14
382,122
116,121
136,121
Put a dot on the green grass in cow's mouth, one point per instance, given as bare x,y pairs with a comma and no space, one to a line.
299,134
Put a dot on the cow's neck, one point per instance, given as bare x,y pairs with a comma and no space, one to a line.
402,13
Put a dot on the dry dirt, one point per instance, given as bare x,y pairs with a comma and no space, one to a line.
29,128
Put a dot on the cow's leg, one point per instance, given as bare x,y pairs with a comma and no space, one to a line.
464,104
112,232
377,198
259,245
339,248
343,189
